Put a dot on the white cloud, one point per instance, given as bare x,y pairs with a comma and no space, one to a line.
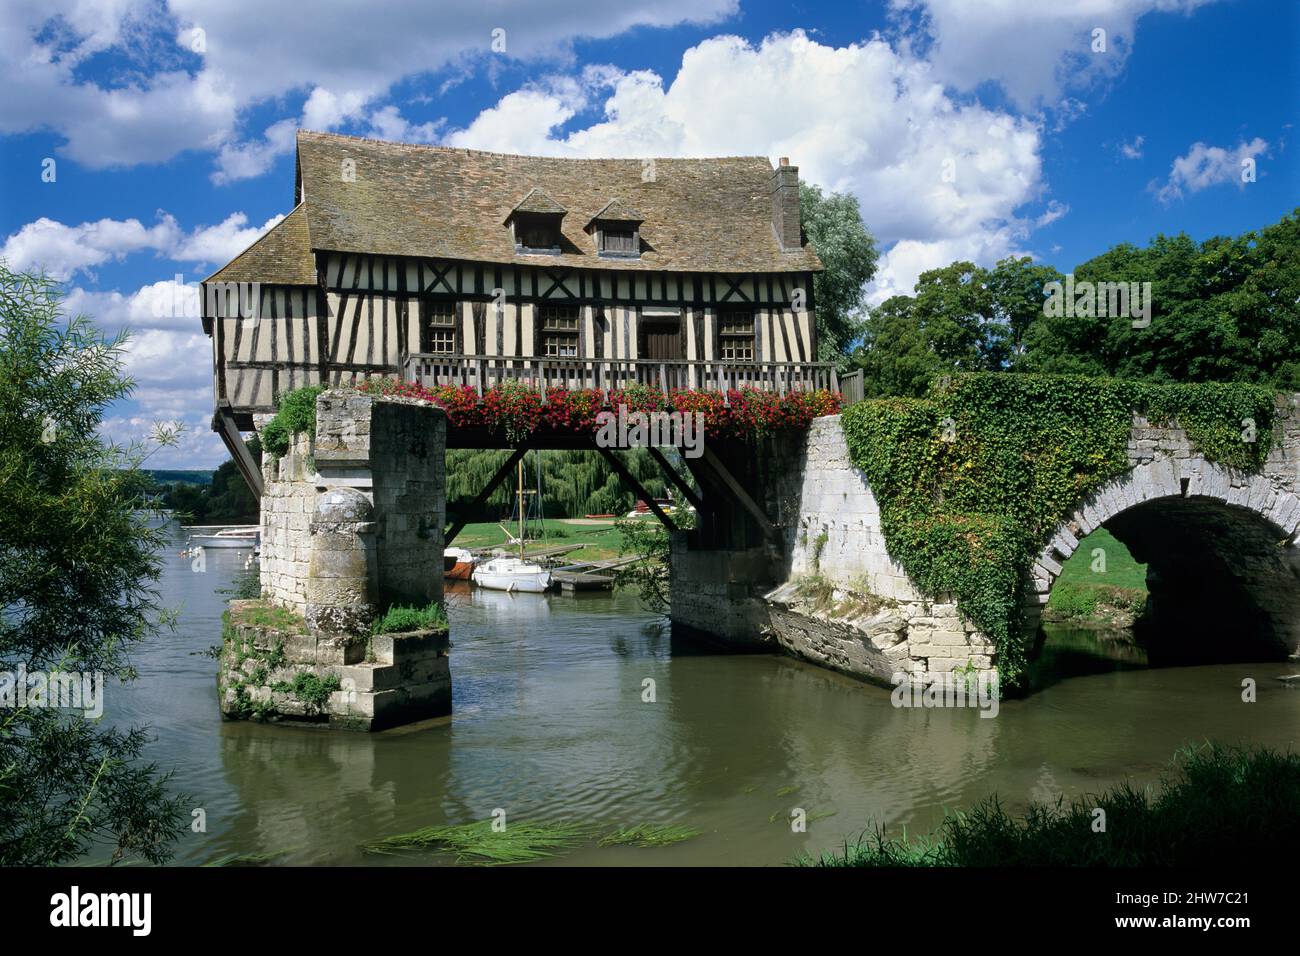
64,250
901,265
1034,50
389,124
1055,210
1131,150
1205,166
861,118
253,158
168,304
169,98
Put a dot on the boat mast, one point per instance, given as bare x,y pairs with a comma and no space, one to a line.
521,508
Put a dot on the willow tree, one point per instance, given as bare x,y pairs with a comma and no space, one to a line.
78,566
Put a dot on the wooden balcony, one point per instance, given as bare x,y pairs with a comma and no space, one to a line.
481,372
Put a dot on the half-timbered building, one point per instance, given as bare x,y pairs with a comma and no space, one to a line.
458,266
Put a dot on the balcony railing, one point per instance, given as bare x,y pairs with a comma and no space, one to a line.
481,372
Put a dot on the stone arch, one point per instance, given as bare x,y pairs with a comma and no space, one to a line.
1219,543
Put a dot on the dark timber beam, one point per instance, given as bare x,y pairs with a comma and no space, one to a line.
626,477
676,479
223,423
455,527
741,495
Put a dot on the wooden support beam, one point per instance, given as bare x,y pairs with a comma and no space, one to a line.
455,527
626,477
741,495
223,423
677,480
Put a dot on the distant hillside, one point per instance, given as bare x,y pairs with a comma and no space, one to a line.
165,477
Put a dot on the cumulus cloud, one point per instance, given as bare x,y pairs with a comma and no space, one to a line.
863,118
1204,166
1034,50
64,250
1131,150
175,94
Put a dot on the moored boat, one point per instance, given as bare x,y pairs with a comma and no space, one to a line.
458,564
512,574
242,537
504,573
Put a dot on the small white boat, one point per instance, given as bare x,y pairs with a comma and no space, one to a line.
504,573
229,538
512,574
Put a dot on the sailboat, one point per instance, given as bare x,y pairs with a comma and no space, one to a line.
507,573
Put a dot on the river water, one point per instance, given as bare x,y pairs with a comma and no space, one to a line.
550,724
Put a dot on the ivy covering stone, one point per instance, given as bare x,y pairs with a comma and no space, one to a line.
972,479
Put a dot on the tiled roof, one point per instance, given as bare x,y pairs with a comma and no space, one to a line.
281,257
538,202
705,215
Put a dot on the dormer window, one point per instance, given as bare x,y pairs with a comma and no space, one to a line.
537,234
618,240
535,224
617,231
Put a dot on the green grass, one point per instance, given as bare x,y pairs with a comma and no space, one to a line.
1121,570
268,616
478,844
1081,594
1216,806
649,835
401,618
309,688
600,541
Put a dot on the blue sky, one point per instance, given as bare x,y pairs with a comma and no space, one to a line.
966,129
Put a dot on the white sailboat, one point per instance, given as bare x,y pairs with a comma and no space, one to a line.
506,573
244,536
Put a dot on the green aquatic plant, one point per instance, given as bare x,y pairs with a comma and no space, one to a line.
480,844
649,835
249,859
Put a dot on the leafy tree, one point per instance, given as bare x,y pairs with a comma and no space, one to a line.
574,483
77,570
1226,309
1017,289
963,318
896,356
833,224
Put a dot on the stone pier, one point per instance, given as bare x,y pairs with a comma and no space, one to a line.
352,525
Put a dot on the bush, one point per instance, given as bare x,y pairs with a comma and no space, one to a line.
296,414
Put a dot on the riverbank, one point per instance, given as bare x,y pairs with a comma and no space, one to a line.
1100,587
1216,806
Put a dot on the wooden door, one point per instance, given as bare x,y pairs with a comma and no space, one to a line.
661,340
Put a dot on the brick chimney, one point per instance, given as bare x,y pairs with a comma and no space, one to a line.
785,205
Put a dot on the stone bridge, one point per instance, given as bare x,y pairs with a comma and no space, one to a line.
790,559
1220,545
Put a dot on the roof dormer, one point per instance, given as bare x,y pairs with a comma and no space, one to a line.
535,224
617,230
